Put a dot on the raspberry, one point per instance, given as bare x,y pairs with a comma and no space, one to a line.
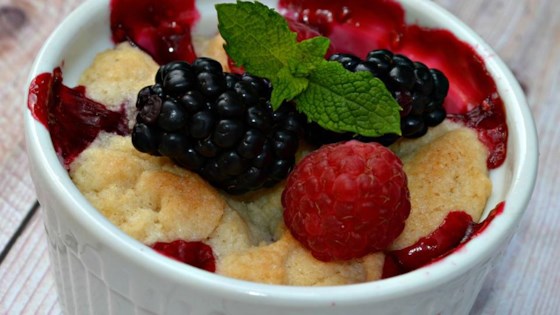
346,200
419,90
220,125
196,254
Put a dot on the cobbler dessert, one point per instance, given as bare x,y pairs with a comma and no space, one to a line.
351,147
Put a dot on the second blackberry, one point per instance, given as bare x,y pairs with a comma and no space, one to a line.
419,90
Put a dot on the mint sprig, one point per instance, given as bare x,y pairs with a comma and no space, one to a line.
259,39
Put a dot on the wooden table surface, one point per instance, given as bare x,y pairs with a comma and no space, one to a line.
525,33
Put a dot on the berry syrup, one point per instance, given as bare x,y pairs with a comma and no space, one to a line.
455,231
196,254
359,26
161,28
72,119
446,237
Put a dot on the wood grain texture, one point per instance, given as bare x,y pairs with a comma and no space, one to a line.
26,283
24,26
525,33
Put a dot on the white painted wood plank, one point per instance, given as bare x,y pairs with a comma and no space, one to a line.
24,26
26,282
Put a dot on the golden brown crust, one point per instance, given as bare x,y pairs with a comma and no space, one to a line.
304,270
116,75
147,197
232,235
264,263
287,262
444,175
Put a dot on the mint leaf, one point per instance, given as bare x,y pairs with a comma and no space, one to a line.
341,100
257,38
311,52
286,87
292,80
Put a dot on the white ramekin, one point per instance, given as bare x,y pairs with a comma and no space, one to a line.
100,270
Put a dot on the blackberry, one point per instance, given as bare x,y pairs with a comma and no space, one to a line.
220,125
419,90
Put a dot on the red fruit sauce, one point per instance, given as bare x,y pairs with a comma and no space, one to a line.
163,29
196,254
72,119
454,232
448,235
